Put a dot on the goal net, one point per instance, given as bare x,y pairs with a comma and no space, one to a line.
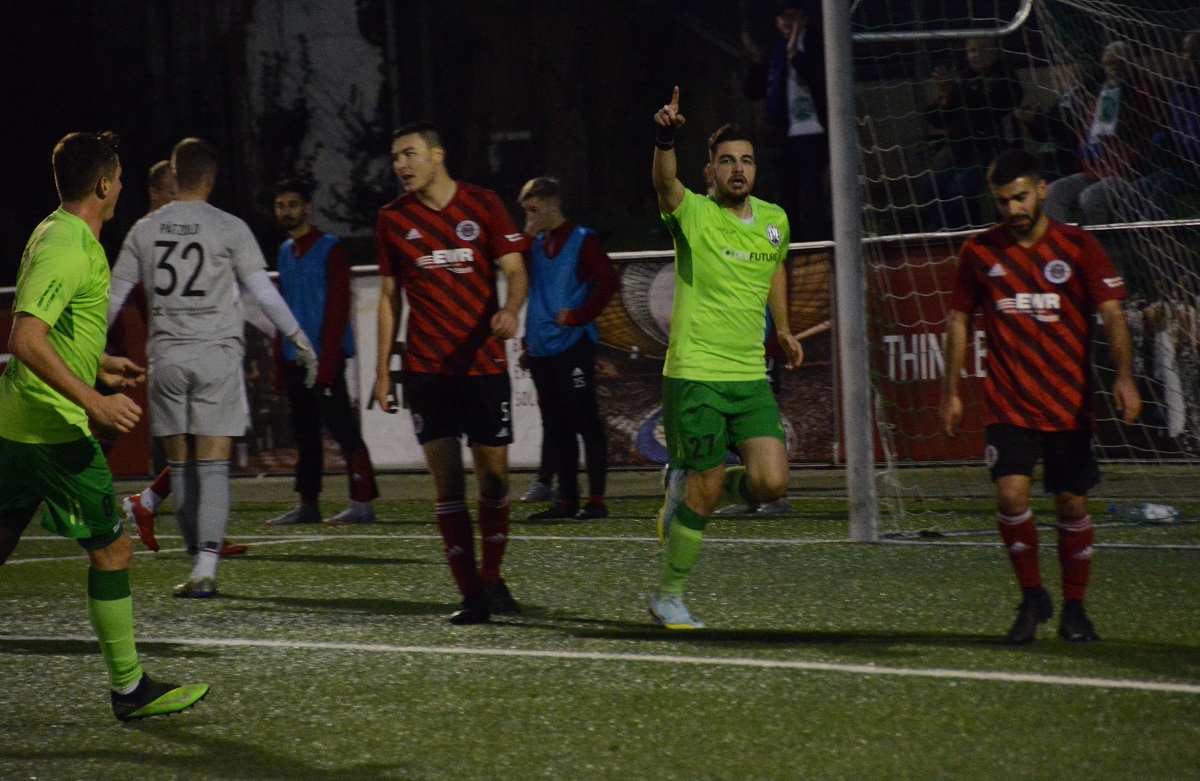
1107,94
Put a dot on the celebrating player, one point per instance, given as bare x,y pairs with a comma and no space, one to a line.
729,253
47,453
1038,284
194,259
442,242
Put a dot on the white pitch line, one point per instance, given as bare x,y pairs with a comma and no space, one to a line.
707,661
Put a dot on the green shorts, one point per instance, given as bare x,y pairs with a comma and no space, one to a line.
702,419
72,478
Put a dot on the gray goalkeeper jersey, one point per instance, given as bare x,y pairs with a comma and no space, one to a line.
189,257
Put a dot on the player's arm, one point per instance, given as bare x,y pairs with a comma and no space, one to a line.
1120,346
387,322
507,320
664,172
950,407
260,286
29,343
126,274
778,305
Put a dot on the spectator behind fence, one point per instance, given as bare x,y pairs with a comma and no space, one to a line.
1177,147
972,108
571,279
792,79
1054,130
314,278
1112,150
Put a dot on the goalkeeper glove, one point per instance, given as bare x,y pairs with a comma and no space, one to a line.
306,356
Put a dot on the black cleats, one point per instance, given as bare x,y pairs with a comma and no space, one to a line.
561,509
591,511
500,601
1073,624
474,610
1035,609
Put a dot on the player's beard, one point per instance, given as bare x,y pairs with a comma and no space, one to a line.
1022,225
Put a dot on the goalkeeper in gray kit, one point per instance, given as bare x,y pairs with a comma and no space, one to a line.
194,261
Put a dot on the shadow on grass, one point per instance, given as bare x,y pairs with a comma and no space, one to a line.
362,606
197,754
92,648
342,559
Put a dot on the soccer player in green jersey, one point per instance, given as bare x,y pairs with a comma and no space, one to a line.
729,253
47,399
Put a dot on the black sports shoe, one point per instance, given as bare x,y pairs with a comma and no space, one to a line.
591,511
156,698
559,510
500,601
474,610
1034,609
1073,624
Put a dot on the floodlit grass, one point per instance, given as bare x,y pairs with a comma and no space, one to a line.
330,657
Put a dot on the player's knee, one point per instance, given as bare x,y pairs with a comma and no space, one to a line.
493,486
117,555
768,487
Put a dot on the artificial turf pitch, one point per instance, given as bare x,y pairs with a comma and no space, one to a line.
330,657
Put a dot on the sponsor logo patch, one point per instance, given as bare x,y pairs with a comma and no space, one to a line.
467,230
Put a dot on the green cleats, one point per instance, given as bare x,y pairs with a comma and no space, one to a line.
156,698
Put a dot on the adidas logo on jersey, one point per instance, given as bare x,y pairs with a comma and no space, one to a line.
997,271
412,235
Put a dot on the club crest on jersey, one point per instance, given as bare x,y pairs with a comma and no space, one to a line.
1057,271
467,230
773,235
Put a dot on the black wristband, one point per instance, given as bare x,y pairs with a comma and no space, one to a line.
664,137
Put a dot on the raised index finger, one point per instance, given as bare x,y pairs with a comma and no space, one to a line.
675,99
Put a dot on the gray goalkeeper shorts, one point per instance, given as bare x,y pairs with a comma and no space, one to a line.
198,389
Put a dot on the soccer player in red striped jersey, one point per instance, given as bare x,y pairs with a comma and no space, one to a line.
1039,285
443,243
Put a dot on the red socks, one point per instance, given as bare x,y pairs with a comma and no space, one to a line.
362,477
1075,536
454,522
1021,543
493,528
162,484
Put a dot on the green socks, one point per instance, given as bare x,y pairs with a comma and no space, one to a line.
110,608
683,548
734,489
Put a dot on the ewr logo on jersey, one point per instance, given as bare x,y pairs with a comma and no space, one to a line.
773,235
457,260
467,230
1040,305
1057,271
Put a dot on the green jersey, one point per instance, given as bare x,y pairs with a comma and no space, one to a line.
723,270
63,281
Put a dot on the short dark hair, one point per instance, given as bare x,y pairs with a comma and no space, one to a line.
727,132
158,172
193,158
542,187
81,160
423,128
294,184
1012,164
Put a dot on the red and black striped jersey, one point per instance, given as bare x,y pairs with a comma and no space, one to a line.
1038,306
445,261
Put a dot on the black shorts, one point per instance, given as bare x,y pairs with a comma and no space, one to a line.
1067,458
450,406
